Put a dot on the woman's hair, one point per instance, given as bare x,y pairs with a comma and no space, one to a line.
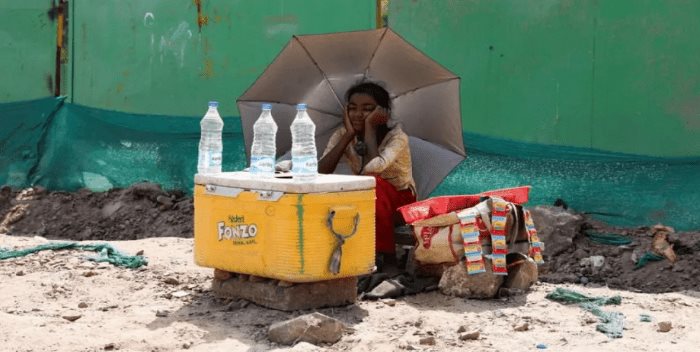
372,89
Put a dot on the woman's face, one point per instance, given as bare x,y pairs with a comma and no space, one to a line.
359,107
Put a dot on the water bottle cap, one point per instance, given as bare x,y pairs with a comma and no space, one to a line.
213,104
301,106
267,106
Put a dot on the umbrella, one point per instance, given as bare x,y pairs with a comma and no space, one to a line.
318,69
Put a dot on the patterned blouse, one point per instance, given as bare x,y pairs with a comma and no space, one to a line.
393,163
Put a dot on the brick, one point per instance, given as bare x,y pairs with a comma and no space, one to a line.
300,296
222,275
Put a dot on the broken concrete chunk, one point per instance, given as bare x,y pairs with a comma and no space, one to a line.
474,335
222,275
71,317
299,296
180,294
665,326
171,281
315,328
556,227
386,289
522,327
430,341
457,282
165,201
522,273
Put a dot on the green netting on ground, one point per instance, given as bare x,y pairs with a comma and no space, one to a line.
611,323
99,149
646,258
568,296
612,239
107,253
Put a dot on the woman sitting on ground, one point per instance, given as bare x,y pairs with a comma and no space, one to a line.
372,148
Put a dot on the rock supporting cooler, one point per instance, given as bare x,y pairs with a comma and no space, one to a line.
284,295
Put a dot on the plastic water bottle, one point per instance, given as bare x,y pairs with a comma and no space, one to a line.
262,152
210,147
304,158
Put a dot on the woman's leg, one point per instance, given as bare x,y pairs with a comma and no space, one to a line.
388,200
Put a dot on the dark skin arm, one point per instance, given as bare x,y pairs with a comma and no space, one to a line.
329,162
377,118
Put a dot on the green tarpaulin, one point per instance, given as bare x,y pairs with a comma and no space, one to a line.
66,146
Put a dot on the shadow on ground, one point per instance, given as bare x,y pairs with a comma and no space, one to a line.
241,320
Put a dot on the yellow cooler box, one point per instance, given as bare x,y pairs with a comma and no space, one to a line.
282,229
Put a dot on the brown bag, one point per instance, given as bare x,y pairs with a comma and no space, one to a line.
439,239
437,245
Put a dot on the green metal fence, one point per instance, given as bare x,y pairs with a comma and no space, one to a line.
618,76
594,102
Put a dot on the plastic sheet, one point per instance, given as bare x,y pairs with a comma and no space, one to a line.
64,146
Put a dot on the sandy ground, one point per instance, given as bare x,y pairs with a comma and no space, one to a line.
167,306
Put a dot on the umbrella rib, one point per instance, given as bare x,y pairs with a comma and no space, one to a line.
423,86
287,103
374,53
337,98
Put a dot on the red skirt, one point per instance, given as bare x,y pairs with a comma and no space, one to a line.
388,200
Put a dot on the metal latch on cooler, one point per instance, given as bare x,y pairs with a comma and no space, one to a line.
222,191
233,192
271,196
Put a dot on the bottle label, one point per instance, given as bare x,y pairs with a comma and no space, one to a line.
262,164
215,158
208,159
304,165
203,160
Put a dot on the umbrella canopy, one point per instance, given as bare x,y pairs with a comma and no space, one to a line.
318,70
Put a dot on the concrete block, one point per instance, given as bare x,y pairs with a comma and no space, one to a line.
298,296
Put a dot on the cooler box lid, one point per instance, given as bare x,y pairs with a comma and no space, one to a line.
322,183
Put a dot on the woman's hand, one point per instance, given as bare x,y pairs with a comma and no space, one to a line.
379,116
348,125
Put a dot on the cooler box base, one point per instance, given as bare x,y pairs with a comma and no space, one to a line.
278,228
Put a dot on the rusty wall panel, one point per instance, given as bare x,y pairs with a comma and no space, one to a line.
27,49
170,57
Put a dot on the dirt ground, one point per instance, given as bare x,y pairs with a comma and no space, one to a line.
144,211
167,305
140,211
619,267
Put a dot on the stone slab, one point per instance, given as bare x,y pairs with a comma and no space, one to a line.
287,296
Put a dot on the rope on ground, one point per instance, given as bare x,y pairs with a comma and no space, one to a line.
608,238
611,323
646,258
107,253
